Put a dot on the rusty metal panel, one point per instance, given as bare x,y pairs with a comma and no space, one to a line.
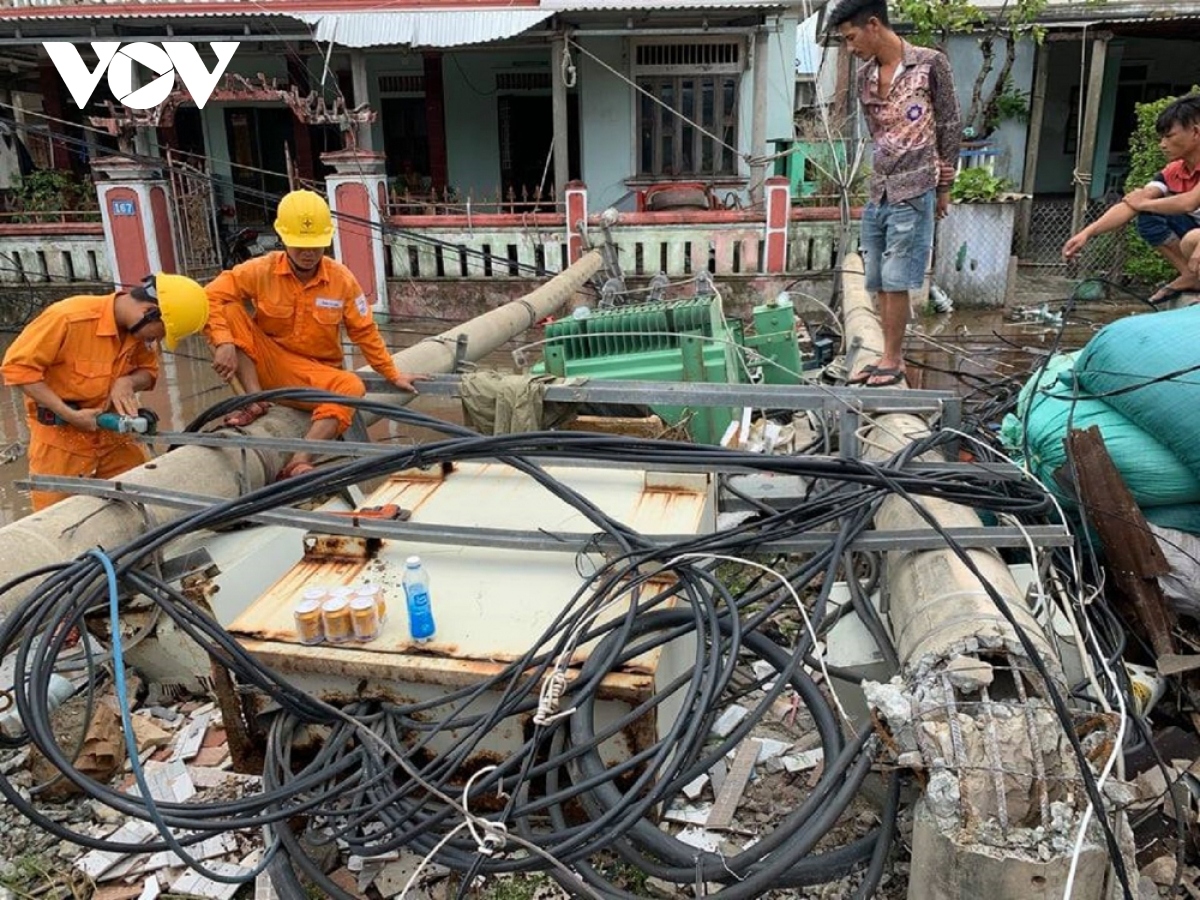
489,604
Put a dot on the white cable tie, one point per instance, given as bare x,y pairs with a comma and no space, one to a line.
552,691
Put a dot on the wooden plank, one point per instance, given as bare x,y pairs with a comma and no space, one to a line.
734,785
1175,664
1133,555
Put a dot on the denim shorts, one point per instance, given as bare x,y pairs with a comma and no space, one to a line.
896,240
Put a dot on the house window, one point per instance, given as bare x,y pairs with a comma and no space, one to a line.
686,90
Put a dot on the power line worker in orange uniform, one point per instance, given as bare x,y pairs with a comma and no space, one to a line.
293,335
90,354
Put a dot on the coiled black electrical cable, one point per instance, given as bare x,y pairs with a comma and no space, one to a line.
387,774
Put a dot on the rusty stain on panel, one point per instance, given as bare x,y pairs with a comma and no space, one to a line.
321,547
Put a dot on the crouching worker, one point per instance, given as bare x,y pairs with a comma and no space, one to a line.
86,355
277,320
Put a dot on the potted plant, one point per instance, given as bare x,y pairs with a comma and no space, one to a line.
973,261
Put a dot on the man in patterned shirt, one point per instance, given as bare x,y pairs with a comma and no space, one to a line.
908,101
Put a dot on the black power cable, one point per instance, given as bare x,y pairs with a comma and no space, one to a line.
388,773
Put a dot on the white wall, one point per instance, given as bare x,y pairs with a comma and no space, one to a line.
1009,139
607,154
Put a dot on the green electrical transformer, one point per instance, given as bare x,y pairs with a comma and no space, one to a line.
686,340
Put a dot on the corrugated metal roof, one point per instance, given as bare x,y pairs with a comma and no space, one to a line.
170,9
656,5
659,5
426,28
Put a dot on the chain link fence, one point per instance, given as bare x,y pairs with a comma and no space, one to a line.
1050,227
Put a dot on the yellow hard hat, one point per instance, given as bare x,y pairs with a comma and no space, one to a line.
303,220
183,304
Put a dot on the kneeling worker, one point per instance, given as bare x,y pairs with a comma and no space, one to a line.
88,355
291,336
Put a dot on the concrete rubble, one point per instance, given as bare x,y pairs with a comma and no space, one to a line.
186,757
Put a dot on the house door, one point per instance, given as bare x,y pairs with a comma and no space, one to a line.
256,137
526,133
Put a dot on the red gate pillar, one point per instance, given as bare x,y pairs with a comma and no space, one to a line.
576,219
135,206
779,212
357,192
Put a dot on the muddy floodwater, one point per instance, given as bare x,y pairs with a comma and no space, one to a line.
955,351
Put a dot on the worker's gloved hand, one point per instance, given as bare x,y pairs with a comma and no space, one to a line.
408,382
123,398
83,419
225,360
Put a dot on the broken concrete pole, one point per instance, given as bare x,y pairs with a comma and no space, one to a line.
77,524
1003,802
942,869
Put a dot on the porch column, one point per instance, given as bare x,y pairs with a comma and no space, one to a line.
558,104
357,192
1033,143
435,120
135,207
758,122
576,192
362,94
1087,140
779,211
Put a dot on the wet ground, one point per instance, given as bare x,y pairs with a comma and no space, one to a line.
955,349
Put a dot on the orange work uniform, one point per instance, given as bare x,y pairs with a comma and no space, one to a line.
75,347
293,331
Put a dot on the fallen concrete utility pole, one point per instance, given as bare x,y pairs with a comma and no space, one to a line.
71,527
1002,805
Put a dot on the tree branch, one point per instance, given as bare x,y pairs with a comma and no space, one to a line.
976,117
992,108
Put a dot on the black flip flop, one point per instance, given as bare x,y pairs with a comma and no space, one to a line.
890,378
863,374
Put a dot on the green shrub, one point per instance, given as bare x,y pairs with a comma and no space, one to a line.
977,185
1142,262
1012,103
46,191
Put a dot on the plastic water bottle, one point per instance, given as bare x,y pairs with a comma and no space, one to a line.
416,592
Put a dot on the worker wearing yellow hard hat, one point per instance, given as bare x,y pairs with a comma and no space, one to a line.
301,299
87,355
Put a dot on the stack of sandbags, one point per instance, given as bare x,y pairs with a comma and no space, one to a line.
1138,381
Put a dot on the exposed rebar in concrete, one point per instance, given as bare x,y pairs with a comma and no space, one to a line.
1003,799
